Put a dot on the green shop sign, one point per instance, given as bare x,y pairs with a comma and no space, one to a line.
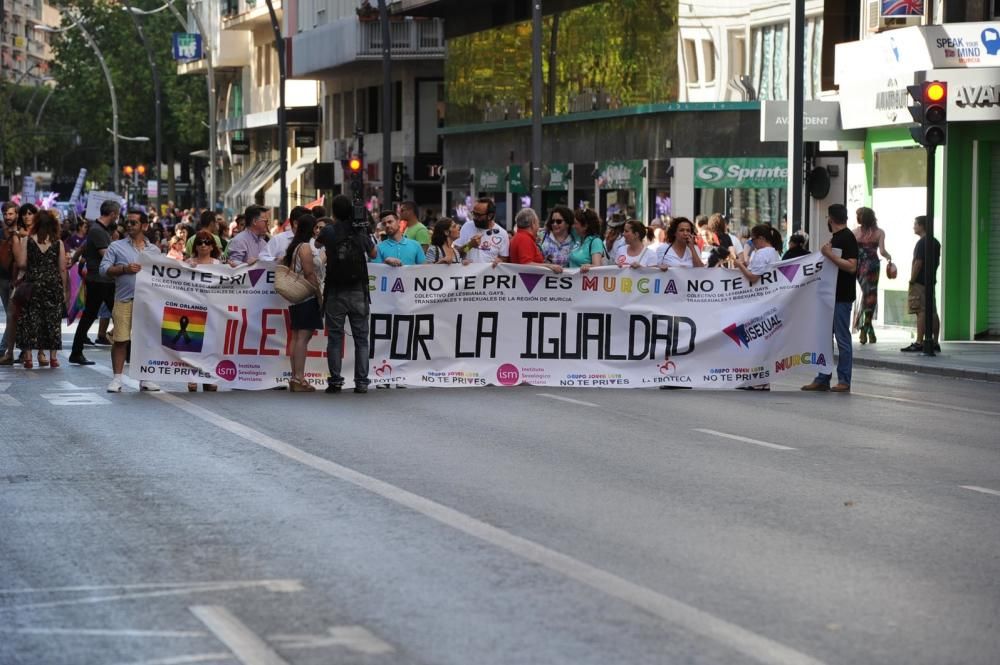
515,178
491,180
558,177
620,175
741,173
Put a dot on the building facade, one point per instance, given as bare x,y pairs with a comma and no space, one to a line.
25,53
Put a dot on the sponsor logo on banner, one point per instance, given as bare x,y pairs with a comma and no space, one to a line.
530,280
807,358
383,370
789,271
226,370
183,328
759,327
508,375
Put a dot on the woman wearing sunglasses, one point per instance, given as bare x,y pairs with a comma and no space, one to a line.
558,241
206,253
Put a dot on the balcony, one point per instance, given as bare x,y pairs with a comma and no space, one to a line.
349,40
247,14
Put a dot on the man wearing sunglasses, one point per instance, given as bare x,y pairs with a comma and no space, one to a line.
121,263
482,240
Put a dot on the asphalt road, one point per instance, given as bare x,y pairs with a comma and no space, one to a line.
499,526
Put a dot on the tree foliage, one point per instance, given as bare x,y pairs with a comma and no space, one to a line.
80,112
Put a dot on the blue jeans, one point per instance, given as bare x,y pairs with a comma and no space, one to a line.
842,333
349,304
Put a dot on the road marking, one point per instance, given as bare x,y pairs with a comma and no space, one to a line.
924,403
568,399
276,585
131,596
4,385
74,399
70,387
702,623
355,638
245,645
744,439
181,660
8,400
984,490
105,632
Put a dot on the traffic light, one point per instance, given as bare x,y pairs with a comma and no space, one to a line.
128,170
930,112
355,169
141,170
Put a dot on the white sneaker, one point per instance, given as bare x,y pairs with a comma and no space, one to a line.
115,386
149,387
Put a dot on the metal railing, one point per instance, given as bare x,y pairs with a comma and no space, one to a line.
408,37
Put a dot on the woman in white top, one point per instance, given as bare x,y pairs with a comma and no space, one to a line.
767,250
681,250
635,254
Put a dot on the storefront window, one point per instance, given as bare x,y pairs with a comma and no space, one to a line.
616,53
900,167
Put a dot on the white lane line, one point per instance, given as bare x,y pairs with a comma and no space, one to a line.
567,399
925,403
97,632
354,638
8,400
182,660
277,585
130,596
243,642
984,490
736,437
702,623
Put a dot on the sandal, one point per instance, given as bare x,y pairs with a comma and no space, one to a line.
209,387
43,360
7,360
54,362
27,364
192,387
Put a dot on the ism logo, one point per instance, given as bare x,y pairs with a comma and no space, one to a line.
508,374
226,370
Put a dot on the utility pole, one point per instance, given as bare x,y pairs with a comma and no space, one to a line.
383,11
279,45
796,71
537,104
157,103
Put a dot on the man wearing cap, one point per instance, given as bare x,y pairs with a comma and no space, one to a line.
847,265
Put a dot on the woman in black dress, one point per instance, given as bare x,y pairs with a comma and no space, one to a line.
43,258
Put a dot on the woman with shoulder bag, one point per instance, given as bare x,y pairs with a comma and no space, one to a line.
306,317
42,258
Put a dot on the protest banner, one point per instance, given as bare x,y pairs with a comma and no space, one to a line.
94,201
447,326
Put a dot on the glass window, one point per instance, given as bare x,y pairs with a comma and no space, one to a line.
336,116
349,125
691,61
900,167
708,54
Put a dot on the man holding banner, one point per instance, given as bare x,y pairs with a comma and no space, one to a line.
100,289
842,251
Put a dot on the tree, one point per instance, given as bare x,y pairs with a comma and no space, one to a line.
81,106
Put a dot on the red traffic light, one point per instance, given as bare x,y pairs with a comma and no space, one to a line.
935,91
354,164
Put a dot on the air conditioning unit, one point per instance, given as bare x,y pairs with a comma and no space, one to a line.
875,22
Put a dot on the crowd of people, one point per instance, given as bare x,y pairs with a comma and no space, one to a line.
37,251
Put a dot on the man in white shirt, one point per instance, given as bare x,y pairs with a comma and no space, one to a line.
482,240
278,244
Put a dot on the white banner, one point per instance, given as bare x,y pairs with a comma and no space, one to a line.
477,325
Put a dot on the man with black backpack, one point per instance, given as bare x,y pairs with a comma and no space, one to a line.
346,293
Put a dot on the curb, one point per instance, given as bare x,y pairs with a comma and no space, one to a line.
992,376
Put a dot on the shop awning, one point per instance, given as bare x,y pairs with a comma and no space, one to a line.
272,197
242,193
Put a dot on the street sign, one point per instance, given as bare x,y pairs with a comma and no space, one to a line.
397,182
28,189
305,138
187,47
239,147
152,189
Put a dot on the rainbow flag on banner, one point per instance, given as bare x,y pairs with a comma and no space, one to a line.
183,329
77,295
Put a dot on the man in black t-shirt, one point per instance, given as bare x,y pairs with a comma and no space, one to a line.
847,264
918,284
100,289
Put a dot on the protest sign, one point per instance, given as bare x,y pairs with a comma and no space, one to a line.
447,326
94,201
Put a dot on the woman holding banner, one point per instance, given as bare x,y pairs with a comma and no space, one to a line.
206,253
590,250
681,250
306,317
635,253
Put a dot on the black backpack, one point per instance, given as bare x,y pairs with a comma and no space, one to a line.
346,261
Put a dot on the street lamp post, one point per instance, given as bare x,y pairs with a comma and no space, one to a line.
279,45
107,77
157,97
210,66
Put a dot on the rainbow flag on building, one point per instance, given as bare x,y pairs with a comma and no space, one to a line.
183,329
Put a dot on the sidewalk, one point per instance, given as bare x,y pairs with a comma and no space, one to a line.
967,360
